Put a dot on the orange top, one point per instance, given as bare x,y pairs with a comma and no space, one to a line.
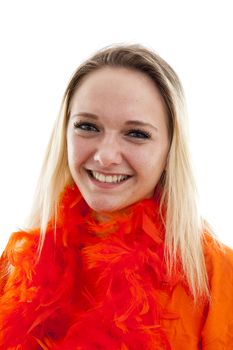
207,327
100,289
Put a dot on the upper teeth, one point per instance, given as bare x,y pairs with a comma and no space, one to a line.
109,178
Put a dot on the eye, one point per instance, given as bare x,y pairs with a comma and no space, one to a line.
85,126
139,134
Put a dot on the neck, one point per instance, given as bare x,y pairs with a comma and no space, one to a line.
105,217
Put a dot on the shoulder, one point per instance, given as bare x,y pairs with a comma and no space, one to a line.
19,243
17,257
218,258
218,328
219,266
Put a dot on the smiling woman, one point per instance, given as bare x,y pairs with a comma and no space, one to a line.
110,151
116,255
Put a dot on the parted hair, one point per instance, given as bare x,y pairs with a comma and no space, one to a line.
185,227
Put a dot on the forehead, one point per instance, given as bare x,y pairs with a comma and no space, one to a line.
118,91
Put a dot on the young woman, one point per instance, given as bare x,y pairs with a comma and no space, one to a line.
116,255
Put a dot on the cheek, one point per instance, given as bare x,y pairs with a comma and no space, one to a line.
78,150
71,150
151,161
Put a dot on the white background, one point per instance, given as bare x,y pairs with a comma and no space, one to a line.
42,43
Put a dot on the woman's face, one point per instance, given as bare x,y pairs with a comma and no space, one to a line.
117,138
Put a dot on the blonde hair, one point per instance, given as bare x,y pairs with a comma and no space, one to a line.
184,225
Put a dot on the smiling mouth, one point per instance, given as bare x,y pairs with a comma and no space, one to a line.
112,179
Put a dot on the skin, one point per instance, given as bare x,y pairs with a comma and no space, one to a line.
102,136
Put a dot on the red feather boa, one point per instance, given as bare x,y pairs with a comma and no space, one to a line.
96,285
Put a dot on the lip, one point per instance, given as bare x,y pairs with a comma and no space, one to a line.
106,185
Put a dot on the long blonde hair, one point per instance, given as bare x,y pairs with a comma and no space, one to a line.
184,225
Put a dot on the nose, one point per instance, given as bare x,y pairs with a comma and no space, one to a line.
108,151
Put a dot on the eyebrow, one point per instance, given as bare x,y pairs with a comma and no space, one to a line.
129,122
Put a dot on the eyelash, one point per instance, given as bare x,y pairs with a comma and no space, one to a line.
79,125
89,127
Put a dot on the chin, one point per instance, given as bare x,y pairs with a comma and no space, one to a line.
104,206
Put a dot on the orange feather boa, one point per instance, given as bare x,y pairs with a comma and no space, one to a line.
96,285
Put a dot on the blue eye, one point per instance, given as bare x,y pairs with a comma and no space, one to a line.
85,126
139,134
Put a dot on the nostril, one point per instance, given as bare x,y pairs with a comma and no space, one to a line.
107,156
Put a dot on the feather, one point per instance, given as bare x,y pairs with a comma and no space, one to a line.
95,287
